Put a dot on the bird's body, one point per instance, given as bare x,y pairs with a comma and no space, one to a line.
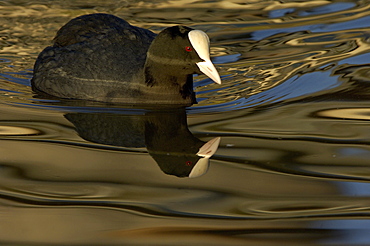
101,57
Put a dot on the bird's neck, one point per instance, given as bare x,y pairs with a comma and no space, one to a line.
167,80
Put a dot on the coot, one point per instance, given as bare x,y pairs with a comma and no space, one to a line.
101,57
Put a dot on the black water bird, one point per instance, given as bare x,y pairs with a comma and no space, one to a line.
101,57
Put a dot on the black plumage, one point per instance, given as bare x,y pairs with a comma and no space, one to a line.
101,57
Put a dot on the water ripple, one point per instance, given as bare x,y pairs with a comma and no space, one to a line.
248,65
292,112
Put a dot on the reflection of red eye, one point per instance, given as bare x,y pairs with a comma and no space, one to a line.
188,163
188,48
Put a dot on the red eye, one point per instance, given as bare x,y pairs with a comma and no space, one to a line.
188,48
189,163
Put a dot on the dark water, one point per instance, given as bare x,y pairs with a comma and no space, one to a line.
293,165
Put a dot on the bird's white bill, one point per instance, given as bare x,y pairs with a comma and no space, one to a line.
200,42
209,69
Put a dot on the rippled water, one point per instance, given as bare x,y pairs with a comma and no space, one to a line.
293,166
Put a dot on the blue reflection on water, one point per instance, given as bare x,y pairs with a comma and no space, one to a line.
326,9
357,189
357,23
276,13
360,59
351,231
295,87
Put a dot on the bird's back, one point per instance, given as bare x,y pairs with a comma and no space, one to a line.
91,53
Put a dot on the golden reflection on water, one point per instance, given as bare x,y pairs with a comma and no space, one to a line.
293,162
16,131
346,113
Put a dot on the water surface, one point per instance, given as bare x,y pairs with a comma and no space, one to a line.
293,165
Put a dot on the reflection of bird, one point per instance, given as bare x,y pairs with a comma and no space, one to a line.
165,134
103,58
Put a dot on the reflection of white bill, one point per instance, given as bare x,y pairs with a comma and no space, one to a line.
205,152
